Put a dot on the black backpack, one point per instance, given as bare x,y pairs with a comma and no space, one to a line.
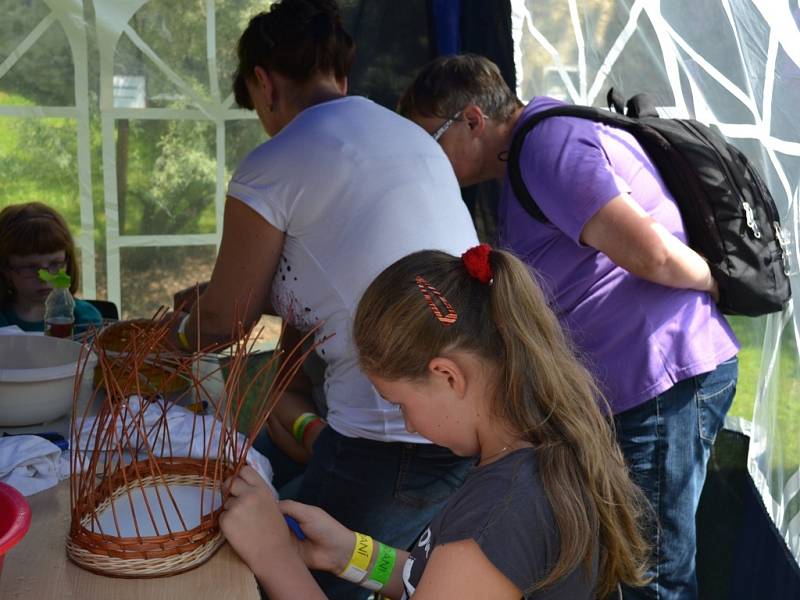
728,213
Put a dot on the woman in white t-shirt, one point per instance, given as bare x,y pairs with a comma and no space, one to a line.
343,189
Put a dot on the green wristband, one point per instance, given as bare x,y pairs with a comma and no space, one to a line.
300,424
382,569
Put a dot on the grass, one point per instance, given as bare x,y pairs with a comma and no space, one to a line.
781,415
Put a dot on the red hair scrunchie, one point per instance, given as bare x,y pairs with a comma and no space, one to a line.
476,261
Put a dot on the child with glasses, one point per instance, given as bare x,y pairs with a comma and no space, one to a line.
33,236
471,354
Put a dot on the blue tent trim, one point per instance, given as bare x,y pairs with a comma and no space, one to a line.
447,26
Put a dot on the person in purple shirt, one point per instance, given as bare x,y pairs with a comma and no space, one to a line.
638,303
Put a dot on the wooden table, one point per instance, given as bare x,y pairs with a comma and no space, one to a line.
38,568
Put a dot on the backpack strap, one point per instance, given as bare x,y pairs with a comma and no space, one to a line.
615,100
641,105
514,169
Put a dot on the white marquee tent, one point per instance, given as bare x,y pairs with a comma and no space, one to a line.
119,112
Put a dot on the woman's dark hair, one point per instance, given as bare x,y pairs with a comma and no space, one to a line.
296,38
34,228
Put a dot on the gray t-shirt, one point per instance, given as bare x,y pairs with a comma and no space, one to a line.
503,507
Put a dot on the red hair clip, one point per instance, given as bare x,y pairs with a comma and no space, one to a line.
430,292
476,261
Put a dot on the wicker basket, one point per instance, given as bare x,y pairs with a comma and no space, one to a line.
125,519
146,555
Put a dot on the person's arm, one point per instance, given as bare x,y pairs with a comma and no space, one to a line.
329,546
294,402
457,570
184,299
567,170
242,278
625,233
289,407
253,524
258,532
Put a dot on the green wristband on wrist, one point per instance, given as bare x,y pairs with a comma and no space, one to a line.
382,569
300,424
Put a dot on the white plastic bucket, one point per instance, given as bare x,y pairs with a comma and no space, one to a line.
37,375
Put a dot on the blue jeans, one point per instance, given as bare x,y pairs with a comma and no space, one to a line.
389,490
667,442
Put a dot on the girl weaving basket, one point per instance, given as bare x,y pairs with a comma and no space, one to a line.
472,356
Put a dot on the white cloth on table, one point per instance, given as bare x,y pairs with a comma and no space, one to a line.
11,330
30,463
190,435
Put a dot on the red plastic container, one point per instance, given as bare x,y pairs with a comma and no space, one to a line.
15,519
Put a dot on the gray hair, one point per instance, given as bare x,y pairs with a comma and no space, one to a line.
449,83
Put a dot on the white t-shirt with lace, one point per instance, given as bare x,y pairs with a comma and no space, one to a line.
354,187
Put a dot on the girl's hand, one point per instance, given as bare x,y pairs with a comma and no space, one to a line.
252,522
328,545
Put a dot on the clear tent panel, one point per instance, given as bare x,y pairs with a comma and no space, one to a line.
732,63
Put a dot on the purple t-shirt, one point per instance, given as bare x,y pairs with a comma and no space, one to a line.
638,338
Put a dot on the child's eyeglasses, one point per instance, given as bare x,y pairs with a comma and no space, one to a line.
445,126
32,271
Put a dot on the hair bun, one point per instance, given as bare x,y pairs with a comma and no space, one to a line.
321,25
330,7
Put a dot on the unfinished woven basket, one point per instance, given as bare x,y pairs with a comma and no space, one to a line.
137,510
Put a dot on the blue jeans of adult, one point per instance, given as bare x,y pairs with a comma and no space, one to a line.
667,442
389,490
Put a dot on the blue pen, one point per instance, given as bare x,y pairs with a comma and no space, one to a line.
295,527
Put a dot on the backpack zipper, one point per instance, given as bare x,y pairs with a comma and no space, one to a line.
784,245
750,219
780,233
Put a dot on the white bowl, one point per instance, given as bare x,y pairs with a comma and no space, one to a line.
37,375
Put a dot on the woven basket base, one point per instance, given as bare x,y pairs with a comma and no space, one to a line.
122,555
143,567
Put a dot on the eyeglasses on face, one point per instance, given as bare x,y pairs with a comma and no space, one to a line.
32,271
436,135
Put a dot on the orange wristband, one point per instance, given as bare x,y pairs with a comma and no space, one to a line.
316,423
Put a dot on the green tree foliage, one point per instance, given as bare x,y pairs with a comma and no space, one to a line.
44,75
39,162
178,196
